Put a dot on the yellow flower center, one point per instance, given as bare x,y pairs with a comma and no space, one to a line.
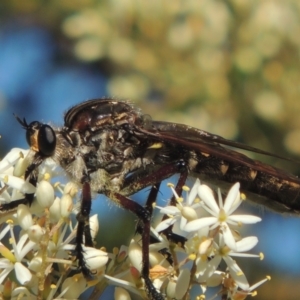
222,215
224,251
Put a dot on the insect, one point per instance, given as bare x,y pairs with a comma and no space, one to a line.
111,148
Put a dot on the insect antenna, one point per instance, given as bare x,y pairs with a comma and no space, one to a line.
22,122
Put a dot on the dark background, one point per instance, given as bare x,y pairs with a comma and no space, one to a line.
229,68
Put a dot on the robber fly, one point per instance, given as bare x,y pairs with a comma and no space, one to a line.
111,148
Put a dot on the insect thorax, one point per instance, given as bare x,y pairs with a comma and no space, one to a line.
105,156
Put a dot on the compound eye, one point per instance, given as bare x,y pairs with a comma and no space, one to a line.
46,140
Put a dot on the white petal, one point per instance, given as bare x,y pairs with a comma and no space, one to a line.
232,195
246,243
18,183
11,158
159,246
193,192
212,266
228,237
122,283
6,270
182,223
23,248
35,264
204,246
135,255
216,279
165,224
94,225
95,258
206,194
6,197
66,206
20,167
156,234
55,210
21,292
169,210
22,273
71,188
4,231
246,219
171,290
156,258
200,223
201,266
182,283
157,283
236,273
203,232
67,247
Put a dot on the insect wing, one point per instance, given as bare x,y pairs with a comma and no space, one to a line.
204,142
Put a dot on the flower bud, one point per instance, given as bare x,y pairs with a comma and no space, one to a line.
45,194
35,233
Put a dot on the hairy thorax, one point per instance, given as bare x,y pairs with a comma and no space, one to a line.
106,157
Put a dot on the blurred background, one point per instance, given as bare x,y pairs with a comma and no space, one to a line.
231,68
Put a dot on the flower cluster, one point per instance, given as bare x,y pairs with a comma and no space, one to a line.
210,228
37,242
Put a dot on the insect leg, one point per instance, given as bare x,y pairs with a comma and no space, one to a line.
144,214
152,177
83,228
157,176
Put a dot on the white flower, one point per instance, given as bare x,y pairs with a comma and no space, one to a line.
221,215
9,176
222,251
13,260
183,212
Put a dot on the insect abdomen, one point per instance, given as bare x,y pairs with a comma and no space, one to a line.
280,193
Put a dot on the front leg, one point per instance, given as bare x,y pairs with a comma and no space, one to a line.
83,229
